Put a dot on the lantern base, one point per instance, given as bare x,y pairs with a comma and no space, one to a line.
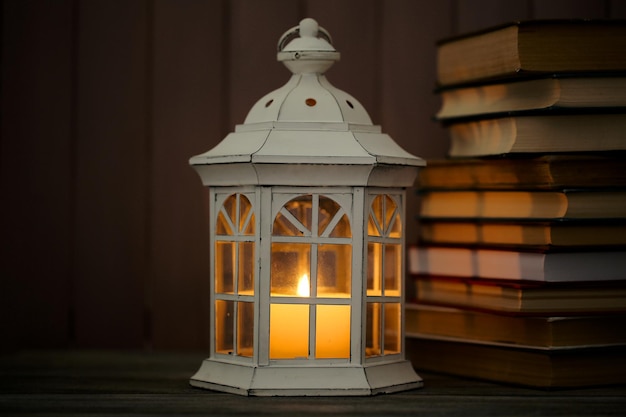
310,380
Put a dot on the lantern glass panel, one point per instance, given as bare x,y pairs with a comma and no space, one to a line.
290,269
332,221
392,331
223,226
246,268
284,227
328,208
246,217
332,331
334,270
374,268
311,257
226,216
375,224
384,219
384,276
393,269
342,228
393,224
289,331
372,230
230,206
224,324
395,229
224,267
373,335
301,209
295,218
245,328
234,274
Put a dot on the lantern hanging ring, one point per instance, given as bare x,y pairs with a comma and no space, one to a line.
294,32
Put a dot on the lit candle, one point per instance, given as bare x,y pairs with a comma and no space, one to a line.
289,331
289,328
332,336
304,288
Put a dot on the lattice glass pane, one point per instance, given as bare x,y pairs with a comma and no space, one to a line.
295,218
230,206
375,223
374,268
395,230
332,331
393,224
245,210
290,269
246,268
301,208
222,226
393,269
249,228
224,321
224,267
392,328
245,329
289,331
334,270
372,330
372,230
342,229
328,208
283,226
327,211
389,207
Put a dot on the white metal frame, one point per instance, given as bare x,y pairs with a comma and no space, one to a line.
218,196
399,197
342,196
307,137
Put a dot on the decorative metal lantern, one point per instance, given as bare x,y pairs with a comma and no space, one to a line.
307,241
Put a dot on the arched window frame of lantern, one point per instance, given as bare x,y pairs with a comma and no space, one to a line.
227,289
307,186
234,235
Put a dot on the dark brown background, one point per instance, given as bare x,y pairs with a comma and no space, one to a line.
103,224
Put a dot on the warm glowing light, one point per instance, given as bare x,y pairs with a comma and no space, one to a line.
303,286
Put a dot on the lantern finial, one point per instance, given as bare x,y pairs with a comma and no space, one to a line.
308,27
307,48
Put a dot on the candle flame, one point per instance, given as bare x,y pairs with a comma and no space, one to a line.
303,286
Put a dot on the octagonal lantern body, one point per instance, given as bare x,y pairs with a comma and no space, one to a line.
307,242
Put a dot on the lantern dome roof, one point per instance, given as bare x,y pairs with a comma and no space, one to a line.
308,96
306,132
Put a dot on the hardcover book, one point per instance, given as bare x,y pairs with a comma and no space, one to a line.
542,235
531,331
532,367
525,173
550,92
536,298
521,204
532,47
548,266
538,133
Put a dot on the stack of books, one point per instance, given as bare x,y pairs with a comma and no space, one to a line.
519,274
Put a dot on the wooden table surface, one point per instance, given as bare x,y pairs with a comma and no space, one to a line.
108,383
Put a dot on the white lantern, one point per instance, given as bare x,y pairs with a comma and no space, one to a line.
307,241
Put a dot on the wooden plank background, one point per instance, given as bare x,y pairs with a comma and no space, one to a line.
104,226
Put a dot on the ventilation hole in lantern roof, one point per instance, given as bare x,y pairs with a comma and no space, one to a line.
269,103
350,104
310,102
